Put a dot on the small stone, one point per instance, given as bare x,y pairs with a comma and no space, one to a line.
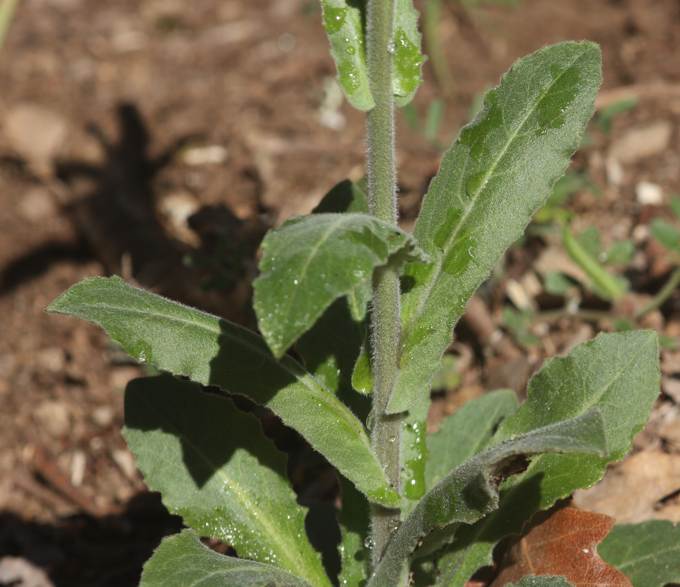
121,376
102,416
205,155
126,462
51,359
642,142
649,194
614,169
178,208
78,462
20,572
671,387
37,205
54,417
35,133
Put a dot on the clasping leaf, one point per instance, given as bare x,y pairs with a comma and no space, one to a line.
311,261
499,171
211,351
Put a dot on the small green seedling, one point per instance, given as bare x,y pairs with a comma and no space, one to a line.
585,249
407,498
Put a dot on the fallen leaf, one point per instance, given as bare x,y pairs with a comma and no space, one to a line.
633,490
563,542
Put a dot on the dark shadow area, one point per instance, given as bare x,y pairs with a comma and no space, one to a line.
36,262
211,427
208,425
84,551
113,207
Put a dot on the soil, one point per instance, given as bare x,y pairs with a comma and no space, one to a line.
156,141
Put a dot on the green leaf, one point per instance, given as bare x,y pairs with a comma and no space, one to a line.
648,553
466,432
214,467
667,234
616,373
349,196
470,491
7,8
408,59
183,560
353,520
557,283
311,261
519,322
345,196
591,241
541,581
343,21
620,253
497,174
675,206
331,347
607,286
462,435
211,351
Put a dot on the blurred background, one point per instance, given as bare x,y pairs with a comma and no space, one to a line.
159,140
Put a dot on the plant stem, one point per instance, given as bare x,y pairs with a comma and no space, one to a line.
385,321
7,8
663,294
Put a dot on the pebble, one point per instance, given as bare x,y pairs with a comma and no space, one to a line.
37,205
649,194
205,155
18,571
35,133
54,418
126,462
51,359
642,142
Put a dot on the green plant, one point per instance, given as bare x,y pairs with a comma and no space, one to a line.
439,502
7,8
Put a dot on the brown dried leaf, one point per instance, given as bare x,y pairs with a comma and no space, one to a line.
563,542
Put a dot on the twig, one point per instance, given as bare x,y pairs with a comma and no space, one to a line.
662,295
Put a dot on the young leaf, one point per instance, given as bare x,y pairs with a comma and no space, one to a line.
408,59
345,196
183,560
311,261
648,553
214,467
497,174
349,196
331,346
565,543
607,286
667,234
616,373
470,491
343,21
211,351
344,24
466,432
353,519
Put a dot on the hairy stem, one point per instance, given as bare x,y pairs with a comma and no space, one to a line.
385,313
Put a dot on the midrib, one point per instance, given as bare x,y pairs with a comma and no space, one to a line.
487,176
